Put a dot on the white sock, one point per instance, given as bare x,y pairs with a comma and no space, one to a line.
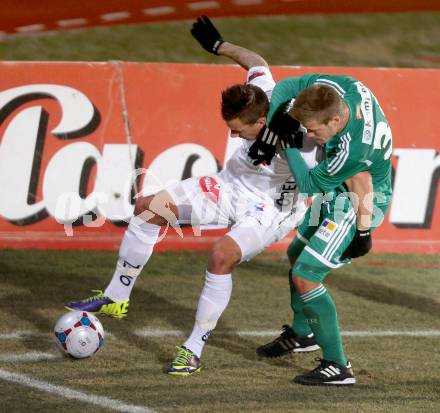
135,250
213,301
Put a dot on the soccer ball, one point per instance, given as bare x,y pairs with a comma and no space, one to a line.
79,334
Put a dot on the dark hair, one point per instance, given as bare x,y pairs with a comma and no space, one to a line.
246,102
318,102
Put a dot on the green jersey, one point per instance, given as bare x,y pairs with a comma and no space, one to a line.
365,144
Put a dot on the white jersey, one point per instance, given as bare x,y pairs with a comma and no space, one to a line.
273,182
260,203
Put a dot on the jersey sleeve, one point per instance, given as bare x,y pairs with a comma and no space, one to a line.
262,77
303,177
284,91
288,89
328,175
328,178
346,159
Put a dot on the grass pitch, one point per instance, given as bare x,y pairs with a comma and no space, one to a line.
380,39
395,373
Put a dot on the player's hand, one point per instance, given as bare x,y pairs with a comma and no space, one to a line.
287,128
206,34
361,244
291,140
264,147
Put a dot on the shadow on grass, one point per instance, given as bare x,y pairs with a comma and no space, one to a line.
385,295
44,287
180,318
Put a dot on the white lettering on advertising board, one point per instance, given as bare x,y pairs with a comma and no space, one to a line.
66,176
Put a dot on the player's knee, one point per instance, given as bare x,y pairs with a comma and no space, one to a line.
301,285
225,255
142,204
151,210
142,210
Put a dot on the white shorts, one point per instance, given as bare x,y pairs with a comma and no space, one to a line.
256,223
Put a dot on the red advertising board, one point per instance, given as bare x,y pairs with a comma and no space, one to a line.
71,135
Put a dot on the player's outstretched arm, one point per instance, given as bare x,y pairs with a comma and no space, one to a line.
244,57
212,41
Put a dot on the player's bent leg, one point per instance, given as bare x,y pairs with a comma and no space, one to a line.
252,237
225,255
159,209
321,255
297,338
320,310
137,245
299,324
213,301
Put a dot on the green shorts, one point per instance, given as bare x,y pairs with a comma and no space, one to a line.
323,236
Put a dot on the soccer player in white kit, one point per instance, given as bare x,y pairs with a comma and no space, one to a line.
259,202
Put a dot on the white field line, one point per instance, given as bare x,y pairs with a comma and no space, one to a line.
247,2
158,11
72,22
31,28
269,333
120,15
12,335
26,357
158,333
16,334
68,393
145,332
423,333
203,5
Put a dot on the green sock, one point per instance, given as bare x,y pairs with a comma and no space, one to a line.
320,311
300,325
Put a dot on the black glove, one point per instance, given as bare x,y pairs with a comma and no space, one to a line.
206,34
287,128
291,140
264,147
282,128
361,244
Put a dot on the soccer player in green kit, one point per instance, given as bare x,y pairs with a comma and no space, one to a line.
344,116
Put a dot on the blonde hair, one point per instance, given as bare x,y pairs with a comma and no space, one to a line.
318,102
